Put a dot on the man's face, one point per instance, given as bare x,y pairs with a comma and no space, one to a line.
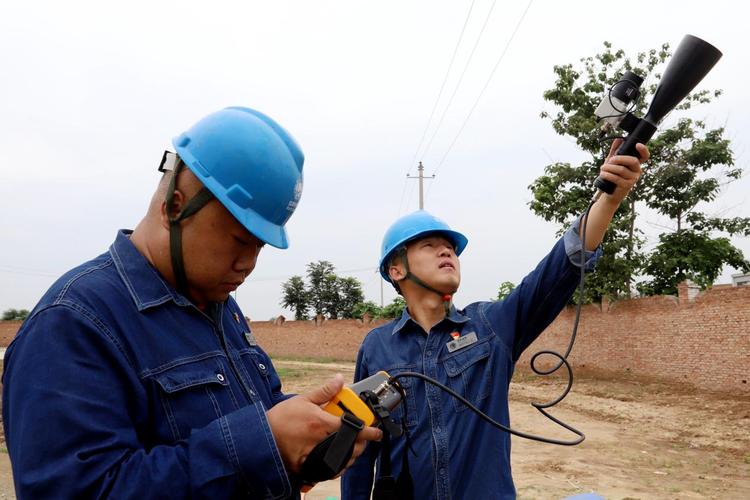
433,259
218,252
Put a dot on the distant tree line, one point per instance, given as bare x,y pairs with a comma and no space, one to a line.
332,296
15,314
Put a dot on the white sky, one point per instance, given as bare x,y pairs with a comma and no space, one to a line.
93,93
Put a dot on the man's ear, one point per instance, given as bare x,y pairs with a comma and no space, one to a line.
178,200
396,272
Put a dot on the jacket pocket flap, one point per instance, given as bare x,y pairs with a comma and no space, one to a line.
190,374
456,363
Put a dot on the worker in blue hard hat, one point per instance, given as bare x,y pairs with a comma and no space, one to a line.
137,374
447,451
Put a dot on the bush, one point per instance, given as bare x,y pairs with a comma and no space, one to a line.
15,314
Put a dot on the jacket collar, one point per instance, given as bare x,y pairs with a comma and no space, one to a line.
144,283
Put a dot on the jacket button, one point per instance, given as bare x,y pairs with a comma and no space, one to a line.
261,366
220,377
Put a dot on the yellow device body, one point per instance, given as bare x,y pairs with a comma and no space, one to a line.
353,403
348,398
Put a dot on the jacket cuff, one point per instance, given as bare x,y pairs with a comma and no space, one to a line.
574,246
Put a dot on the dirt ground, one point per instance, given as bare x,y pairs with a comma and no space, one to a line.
644,439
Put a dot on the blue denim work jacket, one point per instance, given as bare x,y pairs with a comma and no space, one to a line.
458,455
117,386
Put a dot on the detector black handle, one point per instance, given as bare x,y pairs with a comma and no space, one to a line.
641,134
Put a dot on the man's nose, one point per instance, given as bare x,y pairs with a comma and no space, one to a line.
247,259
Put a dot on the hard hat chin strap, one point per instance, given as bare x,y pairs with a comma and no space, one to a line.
446,297
175,230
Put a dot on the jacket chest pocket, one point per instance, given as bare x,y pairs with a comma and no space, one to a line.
410,404
193,394
469,372
259,370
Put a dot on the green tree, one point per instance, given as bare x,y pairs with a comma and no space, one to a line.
689,164
326,293
367,307
15,314
504,290
296,297
395,308
10,314
320,275
698,164
350,294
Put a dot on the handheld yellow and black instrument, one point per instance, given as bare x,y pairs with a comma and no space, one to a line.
357,399
367,402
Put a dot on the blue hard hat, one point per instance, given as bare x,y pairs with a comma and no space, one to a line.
250,164
411,227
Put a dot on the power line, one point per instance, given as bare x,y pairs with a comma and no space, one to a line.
280,278
27,272
434,106
487,83
460,79
445,80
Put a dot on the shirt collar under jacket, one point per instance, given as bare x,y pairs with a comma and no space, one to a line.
455,317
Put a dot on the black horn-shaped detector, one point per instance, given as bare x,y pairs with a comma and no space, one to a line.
692,61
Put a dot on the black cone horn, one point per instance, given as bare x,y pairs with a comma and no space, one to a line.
692,61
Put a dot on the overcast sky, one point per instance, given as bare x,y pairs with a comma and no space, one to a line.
93,93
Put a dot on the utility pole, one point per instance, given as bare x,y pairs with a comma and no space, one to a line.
381,289
421,178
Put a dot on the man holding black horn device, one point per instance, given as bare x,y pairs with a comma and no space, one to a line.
448,451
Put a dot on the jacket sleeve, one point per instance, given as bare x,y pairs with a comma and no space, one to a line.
74,410
357,481
543,293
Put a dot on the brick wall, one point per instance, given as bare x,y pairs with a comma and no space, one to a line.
703,340
699,338
334,339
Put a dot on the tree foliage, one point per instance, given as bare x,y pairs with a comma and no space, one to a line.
367,307
325,293
296,297
689,165
504,290
394,309
390,311
15,314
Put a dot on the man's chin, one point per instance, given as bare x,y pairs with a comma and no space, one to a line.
448,284
218,297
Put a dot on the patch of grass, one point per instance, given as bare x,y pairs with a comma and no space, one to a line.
3,449
287,373
747,458
311,359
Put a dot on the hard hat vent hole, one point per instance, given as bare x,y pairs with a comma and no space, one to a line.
238,195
